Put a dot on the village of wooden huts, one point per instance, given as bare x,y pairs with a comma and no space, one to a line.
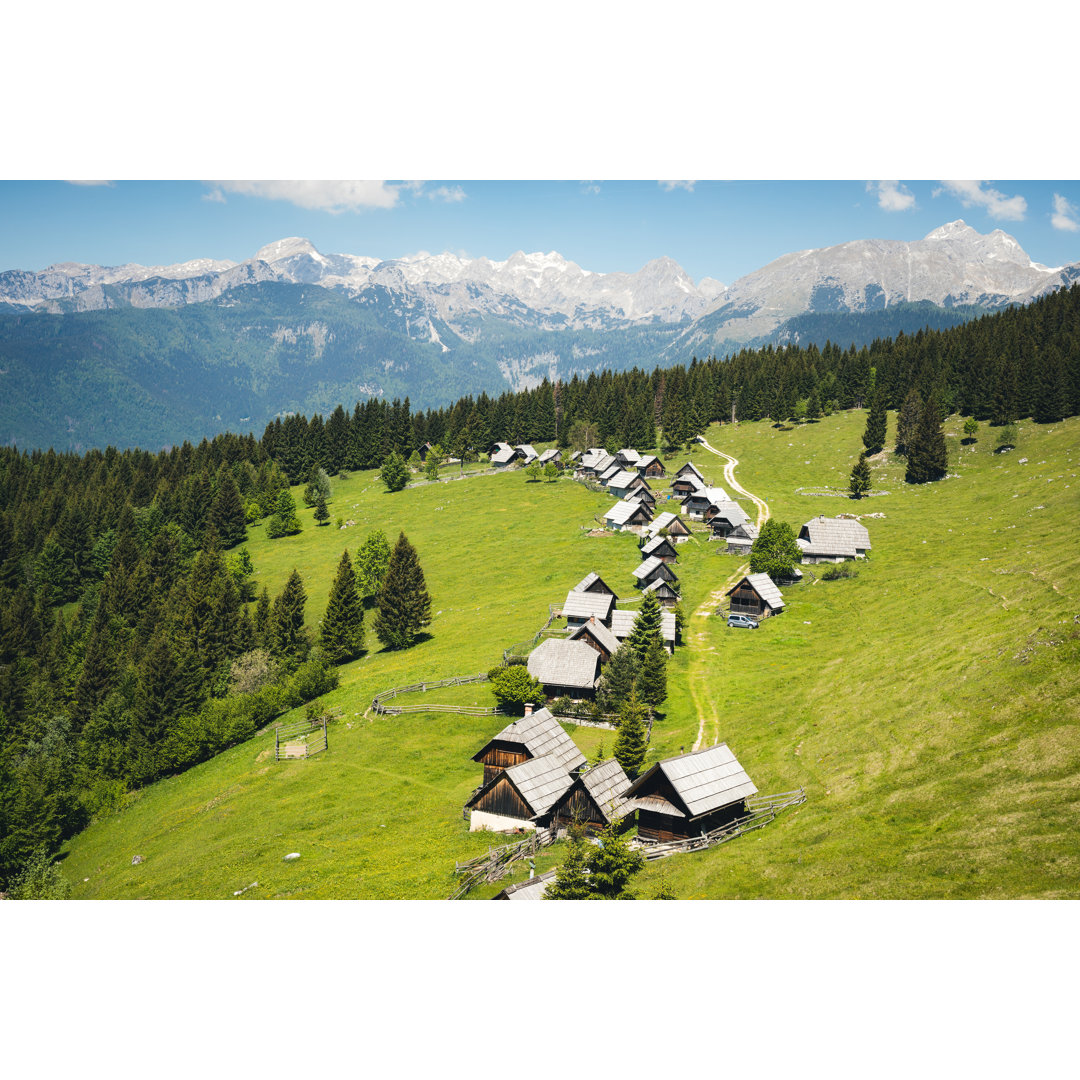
756,595
833,540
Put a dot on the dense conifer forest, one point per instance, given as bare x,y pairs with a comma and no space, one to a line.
132,644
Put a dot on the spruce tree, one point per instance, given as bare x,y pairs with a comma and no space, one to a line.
631,742
907,420
288,636
322,515
227,511
876,421
394,472
647,625
571,881
343,623
927,459
860,482
618,678
652,680
612,864
404,604
261,620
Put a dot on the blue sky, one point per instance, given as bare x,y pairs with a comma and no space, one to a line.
721,229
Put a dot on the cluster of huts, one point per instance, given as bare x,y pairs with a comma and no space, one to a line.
536,776
570,666
503,454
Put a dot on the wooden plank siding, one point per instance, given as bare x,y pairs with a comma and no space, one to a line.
503,800
745,601
498,758
577,806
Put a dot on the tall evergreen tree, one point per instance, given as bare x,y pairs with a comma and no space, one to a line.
860,482
647,626
876,422
343,623
618,678
394,472
289,636
372,561
927,457
571,881
612,863
631,743
404,604
908,420
652,681
227,511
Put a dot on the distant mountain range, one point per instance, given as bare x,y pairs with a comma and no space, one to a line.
135,355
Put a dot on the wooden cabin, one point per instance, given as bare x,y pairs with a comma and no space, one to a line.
659,547
741,539
651,570
833,540
594,799
597,636
627,515
580,607
536,734
643,495
624,483
503,457
628,458
666,591
650,465
690,795
565,668
676,528
622,622
687,480
526,453
519,796
551,454
757,595
594,583
727,515
703,504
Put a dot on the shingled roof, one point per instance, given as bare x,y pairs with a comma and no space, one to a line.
652,565
589,580
558,662
705,780
539,781
622,622
834,536
623,511
731,512
623,479
504,457
656,544
588,605
606,783
665,521
542,736
765,587
604,637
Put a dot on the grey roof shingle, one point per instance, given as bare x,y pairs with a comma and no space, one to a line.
656,544
834,536
558,662
527,452
705,780
599,631
588,605
623,511
504,457
551,454
644,571
622,480
541,735
622,622
607,784
665,521
731,512
765,588
540,782
592,579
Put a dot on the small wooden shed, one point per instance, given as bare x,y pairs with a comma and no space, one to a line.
836,539
594,583
580,606
666,591
650,465
727,516
519,796
626,515
757,595
537,734
659,547
595,799
622,623
670,523
690,794
597,636
565,668
652,569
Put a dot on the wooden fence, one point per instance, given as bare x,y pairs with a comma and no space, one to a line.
497,862
379,706
301,739
762,809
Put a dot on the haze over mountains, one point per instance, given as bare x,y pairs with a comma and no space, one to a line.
90,354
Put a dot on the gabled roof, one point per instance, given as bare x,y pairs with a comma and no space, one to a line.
532,889
689,468
662,586
504,457
658,543
745,531
642,495
765,587
713,495
622,622
705,780
731,512
586,605
502,445
541,735
646,461
586,583
557,662
551,454
527,452
539,781
834,536
644,571
665,521
629,455
623,511
604,637
606,783
606,475
623,479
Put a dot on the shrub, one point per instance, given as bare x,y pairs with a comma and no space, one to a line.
838,571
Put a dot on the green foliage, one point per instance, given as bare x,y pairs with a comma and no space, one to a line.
435,458
618,678
284,521
775,551
908,420
612,864
514,687
926,452
41,880
571,881
647,626
372,561
860,482
288,636
551,472
394,473
876,422
415,461
532,472
404,606
1007,437
322,514
631,742
652,679
227,511
971,430
317,486
343,624
839,571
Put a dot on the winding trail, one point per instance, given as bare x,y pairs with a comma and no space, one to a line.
704,703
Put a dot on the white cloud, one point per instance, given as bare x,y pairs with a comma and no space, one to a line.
671,185
334,196
93,183
1065,215
447,194
216,195
891,195
998,206
590,187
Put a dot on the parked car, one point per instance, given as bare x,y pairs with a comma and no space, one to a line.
742,620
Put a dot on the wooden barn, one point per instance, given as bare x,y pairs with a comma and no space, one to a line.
594,799
675,527
537,734
625,483
650,465
653,569
565,668
526,453
659,547
757,595
687,480
643,495
580,606
597,636
628,458
519,796
833,540
691,794
666,591
594,583
627,515
504,456
741,539
726,516
703,504
622,622
552,454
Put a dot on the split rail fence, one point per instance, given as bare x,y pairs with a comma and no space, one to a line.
378,702
301,739
497,862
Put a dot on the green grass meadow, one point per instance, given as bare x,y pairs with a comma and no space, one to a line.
929,706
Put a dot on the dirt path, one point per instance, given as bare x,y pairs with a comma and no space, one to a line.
708,713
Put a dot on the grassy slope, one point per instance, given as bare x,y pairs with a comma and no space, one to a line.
927,706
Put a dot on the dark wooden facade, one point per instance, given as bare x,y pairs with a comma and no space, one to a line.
745,600
577,806
665,552
654,468
667,595
678,527
502,799
499,756
664,828
683,486
662,571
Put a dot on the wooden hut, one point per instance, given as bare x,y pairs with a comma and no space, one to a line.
650,465
726,516
687,480
594,583
622,622
628,458
643,495
651,570
537,734
627,515
503,457
597,636
565,668
703,504
519,796
624,483
580,607
825,539
526,453
691,794
595,799
551,454
676,528
660,547
666,591
741,539
757,595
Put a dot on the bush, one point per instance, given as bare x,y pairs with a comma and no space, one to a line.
561,706
513,687
838,571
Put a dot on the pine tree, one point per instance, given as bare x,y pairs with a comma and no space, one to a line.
612,864
404,604
288,636
813,404
647,625
908,420
571,881
652,680
394,472
227,511
283,522
262,619
876,422
618,679
927,458
860,482
343,623
631,742
322,515
372,561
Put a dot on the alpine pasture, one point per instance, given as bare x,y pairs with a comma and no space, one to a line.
928,705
